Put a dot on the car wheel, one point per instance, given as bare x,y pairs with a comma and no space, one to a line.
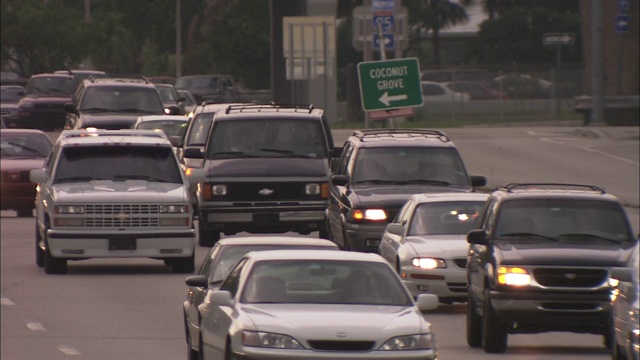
345,240
183,265
494,339
474,322
207,238
325,233
24,212
192,354
228,353
53,265
39,251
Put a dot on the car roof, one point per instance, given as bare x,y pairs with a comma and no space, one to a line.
275,240
553,191
400,138
315,255
60,75
450,196
269,111
140,81
23,131
162,118
104,137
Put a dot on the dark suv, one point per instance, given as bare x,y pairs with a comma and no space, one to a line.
541,261
42,107
113,103
379,170
267,171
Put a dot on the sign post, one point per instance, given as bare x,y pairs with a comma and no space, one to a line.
557,39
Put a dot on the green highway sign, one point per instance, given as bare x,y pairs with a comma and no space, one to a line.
390,84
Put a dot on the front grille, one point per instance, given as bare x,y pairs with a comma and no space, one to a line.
129,209
457,287
461,263
266,191
121,223
570,277
330,345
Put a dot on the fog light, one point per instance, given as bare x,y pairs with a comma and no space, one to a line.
372,242
423,288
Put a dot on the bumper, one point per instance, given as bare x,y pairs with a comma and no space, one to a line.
82,246
447,284
258,219
280,354
364,237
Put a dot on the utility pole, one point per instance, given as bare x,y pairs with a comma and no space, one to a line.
597,81
178,40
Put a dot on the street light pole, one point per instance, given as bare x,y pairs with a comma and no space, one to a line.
178,41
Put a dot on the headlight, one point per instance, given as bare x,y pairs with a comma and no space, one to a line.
428,263
26,105
369,214
210,190
69,209
410,342
321,189
269,340
514,276
172,209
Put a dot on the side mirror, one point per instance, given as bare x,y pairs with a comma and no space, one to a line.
193,152
339,180
176,141
37,176
478,236
395,229
196,281
426,302
478,181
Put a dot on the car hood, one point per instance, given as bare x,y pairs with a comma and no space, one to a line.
394,195
326,321
25,163
444,246
122,120
131,190
565,254
267,167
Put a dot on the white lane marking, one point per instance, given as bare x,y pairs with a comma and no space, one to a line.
35,326
69,350
6,301
561,141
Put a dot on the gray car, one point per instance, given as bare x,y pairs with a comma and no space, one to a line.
625,309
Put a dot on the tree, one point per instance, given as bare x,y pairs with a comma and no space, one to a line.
41,36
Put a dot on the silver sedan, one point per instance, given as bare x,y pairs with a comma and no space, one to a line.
321,304
427,243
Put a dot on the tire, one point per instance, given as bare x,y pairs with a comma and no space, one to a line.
325,233
228,353
183,265
345,240
191,353
39,251
474,322
24,212
494,339
54,265
207,238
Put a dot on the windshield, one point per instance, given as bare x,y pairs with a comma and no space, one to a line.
122,99
117,163
170,127
11,94
54,85
564,219
324,282
419,165
445,218
267,138
24,145
167,94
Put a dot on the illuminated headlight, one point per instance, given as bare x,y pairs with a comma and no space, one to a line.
75,221
269,340
428,263
69,209
180,221
369,214
513,276
172,209
410,342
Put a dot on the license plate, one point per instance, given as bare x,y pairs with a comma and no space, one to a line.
122,244
266,219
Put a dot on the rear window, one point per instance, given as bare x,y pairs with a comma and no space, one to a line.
124,99
117,163
54,85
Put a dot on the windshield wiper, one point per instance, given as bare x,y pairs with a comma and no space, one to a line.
528,234
139,177
74,179
426,181
231,153
97,109
285,152
379,181
23,147
135,110
590,236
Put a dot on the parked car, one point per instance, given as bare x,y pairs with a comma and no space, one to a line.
625,322
296,304
222,257
22,150
541,260
523,86
484,77
427,243
170,97
113,194
42,107
437,92
476,91
10,96
113,103
379,170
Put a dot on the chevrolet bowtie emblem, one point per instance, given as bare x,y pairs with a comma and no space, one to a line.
122,216
265,192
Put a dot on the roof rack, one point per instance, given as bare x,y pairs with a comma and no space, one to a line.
92,132
388,133
551,186
123,78
270,107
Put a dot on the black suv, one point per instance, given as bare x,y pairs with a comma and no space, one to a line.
541,261
379,170
113,103
42,107
267,171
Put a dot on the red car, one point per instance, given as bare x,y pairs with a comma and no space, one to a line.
476,90
22,150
